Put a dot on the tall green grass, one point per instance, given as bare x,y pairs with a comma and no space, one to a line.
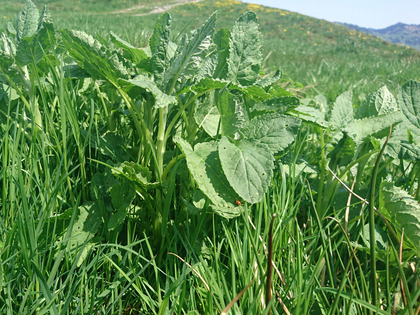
321,255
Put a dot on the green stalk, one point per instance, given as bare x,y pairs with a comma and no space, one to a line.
322,165
160,152
372,238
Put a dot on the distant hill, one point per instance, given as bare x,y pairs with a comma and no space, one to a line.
400,33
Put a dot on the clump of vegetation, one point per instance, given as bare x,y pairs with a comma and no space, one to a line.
144,180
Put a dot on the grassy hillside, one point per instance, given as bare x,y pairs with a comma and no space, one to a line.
326,58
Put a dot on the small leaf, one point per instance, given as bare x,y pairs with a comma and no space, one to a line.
379,103
205,85
245,56
401,210
248,168
342,111
268,81
276,131
84,230
256,93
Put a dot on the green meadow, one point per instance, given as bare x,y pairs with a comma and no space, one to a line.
209,157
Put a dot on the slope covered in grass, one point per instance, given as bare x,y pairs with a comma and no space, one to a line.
325,56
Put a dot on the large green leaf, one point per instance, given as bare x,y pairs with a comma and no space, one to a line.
204,165
409,101
402,210
190,53
245,57
27,21
248,168
276,131
159,46
409,151
342,111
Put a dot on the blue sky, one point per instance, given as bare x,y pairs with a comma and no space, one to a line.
365,13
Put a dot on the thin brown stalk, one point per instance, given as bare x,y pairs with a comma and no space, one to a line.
400,258
193,270
285,309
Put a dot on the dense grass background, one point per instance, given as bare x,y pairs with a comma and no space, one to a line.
46,175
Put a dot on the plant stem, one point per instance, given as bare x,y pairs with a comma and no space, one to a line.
161,143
